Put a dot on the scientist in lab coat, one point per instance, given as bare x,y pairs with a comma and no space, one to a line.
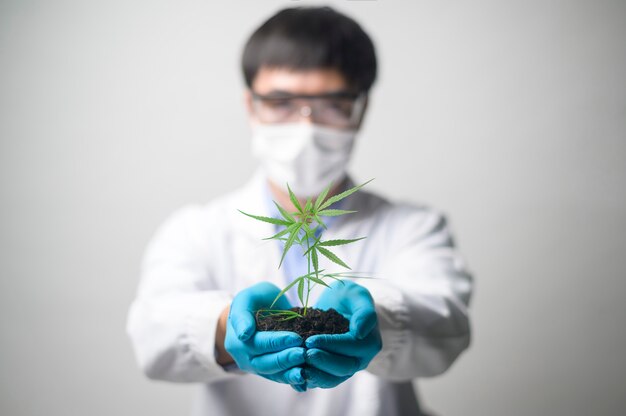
308,72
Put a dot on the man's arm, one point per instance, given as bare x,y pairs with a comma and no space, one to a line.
174,321
421,299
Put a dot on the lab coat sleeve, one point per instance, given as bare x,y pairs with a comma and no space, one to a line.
421,298
173,319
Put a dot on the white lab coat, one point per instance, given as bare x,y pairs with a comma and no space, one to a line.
204,254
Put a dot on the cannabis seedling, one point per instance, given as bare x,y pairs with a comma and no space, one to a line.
300,229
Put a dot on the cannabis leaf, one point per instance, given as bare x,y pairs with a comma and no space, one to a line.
303,228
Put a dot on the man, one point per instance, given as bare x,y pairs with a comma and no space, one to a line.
308,72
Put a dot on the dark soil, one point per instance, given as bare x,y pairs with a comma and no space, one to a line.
315,322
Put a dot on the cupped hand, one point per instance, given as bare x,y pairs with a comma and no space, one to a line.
275,355
333,358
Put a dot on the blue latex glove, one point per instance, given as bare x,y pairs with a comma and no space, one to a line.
332,359
275,355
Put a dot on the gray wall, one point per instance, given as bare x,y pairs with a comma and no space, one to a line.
509,116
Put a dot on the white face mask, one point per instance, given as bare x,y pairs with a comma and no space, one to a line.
307,156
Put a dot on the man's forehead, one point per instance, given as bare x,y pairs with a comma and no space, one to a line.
297,81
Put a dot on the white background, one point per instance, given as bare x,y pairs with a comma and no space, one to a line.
508,115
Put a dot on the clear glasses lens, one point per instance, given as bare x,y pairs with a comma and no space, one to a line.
338,112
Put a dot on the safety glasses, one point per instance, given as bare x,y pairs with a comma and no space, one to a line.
340,109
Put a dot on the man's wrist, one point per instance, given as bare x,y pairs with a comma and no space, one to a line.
222,356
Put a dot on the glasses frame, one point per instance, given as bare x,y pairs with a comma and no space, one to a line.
358,98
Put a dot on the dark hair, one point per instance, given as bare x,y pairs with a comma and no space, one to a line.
309,38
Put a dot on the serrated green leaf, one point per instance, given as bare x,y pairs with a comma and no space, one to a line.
320,222
330,243
318,281
266,219
286,313
334,212
310,233
317,240
294,200
314,259
301,290
333,277
320,197
342,195
308,206
285,213
292,236
344,275
332,257
282,292
290,317
314,233
294,282
281,233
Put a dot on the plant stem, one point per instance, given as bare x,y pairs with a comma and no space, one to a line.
308,281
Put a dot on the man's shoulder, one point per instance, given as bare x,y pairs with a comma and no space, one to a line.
373,203
403,223
212,212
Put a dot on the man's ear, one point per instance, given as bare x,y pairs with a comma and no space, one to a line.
247,101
